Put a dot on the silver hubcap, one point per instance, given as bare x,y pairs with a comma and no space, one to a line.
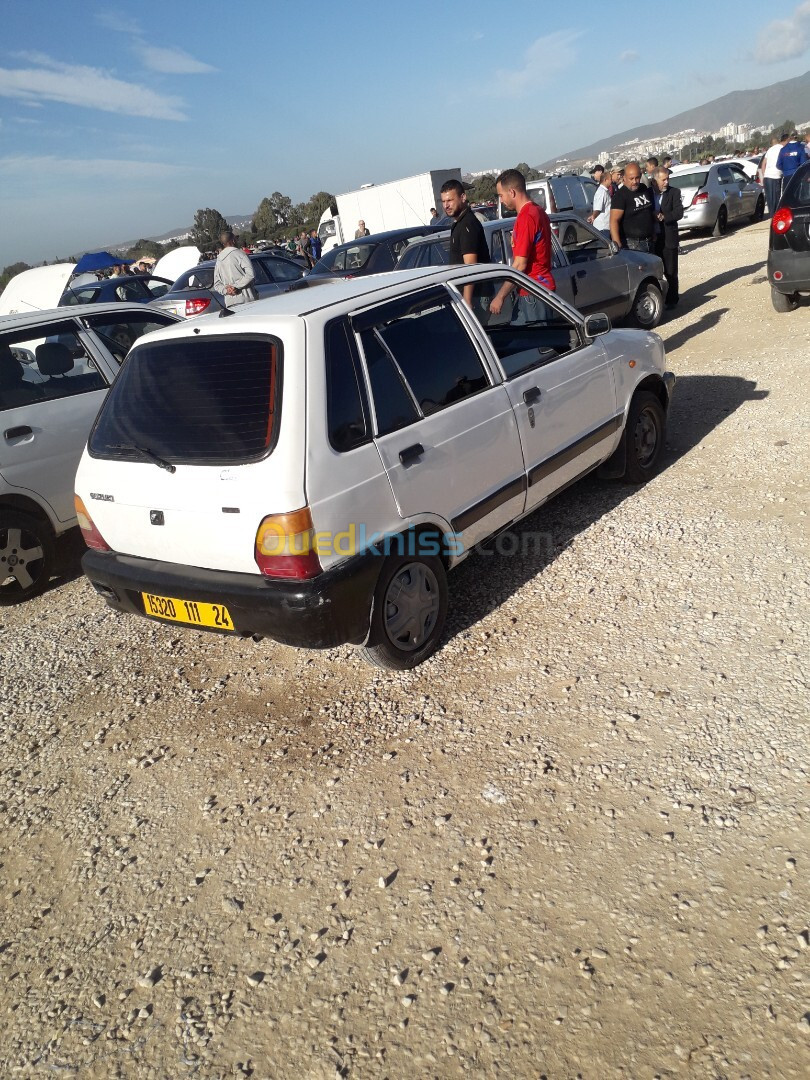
646,307
411,606
18,551
646,438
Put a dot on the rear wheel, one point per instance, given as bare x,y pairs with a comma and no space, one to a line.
759,209
410,610
784,302
644,437
721,225
26,556
648,307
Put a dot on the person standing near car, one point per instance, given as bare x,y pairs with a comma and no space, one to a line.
531,245
233,273
770,175
361,230
632,215
791,157
668,212
600,215
468,244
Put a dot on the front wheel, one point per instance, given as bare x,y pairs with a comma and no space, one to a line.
644,437
27,554
784,302
410,610
648,307
721,224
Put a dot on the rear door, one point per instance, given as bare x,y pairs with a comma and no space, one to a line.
446,433
51,388
561,387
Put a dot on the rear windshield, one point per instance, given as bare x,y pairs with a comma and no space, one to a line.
689,180
193,401
201,277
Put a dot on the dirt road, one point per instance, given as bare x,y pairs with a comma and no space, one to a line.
573,844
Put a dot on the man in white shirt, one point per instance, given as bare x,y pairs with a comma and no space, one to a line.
600,217
770,175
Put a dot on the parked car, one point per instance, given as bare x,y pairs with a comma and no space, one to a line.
193,293
373,254
126,288
789,243
716,195
55,369
590,272
557,194
378,430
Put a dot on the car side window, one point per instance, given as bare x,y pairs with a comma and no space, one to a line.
260,275
580,243
738,173
133,291
724,174
393,405
339,261
562,196
577,193
496,247
119,335
527,332
54,364
346,405
279,270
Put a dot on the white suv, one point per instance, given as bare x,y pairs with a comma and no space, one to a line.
310,468
55,369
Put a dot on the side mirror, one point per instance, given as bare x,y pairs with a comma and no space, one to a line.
596,325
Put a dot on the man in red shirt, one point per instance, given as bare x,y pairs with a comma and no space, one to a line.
531,243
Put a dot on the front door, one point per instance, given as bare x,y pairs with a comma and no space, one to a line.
599,276
560,384
447,435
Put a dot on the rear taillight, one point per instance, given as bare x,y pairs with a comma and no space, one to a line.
782,220
196,307
285,546
700,197
92,537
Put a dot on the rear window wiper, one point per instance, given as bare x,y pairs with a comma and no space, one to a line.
144,451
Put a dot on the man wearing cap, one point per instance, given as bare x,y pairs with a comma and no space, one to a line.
596,173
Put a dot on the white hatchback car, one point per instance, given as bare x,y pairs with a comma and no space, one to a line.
55,370
311,467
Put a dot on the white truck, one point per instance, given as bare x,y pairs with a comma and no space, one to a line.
395,205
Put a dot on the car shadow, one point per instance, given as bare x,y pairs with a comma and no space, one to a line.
697,295
494,573
706,322
70,547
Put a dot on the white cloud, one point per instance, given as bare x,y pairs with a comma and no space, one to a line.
629,56
169,61
87,87
785,39
50,165
545,58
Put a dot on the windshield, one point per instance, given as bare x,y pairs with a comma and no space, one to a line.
194,401
689,180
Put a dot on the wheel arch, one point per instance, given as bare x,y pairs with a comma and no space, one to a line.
25,505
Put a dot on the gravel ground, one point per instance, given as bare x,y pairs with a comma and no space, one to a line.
572,844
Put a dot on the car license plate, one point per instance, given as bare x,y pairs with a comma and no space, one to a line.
192,612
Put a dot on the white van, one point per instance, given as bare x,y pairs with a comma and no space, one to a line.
310,468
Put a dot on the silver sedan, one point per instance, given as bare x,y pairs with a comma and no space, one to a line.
716,195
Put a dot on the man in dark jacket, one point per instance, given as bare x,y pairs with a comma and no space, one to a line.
668,212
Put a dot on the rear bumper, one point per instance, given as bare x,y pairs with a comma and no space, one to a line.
702,216
794,267
332,609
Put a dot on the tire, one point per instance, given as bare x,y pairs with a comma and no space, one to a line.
721,225
644,437
784,302
27,552
759,210
410,595
648,307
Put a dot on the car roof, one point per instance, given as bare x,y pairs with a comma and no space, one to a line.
489,226
72,311
390,234
207,263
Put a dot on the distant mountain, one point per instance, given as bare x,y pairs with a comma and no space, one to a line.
768,105
240,223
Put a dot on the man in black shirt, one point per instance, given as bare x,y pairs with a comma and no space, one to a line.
632,212
467,241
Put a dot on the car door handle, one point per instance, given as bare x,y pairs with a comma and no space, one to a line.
532,395
17,432
411,453
581,273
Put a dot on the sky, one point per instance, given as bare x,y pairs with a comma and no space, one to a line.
120,121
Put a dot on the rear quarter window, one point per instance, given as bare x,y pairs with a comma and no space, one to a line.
194,401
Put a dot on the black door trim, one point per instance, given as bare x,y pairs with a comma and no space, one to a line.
562,457
489,504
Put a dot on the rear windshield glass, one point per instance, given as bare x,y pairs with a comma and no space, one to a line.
193,401
201,277
689,180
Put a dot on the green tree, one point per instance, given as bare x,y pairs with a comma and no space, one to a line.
145,247
483,189
11,271
208,224
318,202
264,220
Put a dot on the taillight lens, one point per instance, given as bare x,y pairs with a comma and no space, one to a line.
285,546
196,307
700,197
92,537
782,220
